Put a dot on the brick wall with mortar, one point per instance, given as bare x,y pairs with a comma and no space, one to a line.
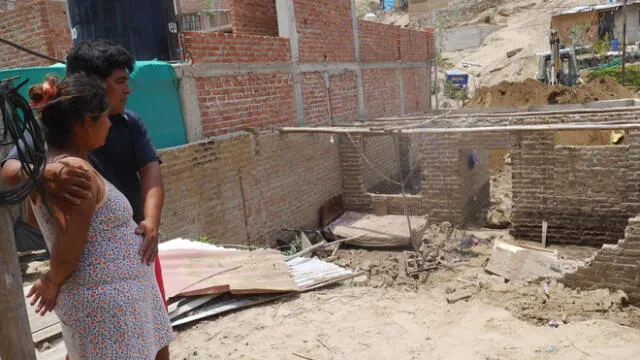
337,89
614,266
312,78
379,87
325,30
382,155
242,188
211,47
584,193
234,103
39,25
257,17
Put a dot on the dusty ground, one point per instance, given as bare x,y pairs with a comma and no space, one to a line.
364,320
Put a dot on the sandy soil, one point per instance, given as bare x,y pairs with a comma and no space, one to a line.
365,323
525,26
371,319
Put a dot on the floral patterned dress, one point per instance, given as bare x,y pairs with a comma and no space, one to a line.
110,307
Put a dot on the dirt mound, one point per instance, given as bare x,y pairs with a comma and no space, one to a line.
531,93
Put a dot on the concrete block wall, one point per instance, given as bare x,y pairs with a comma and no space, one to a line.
614,266
242,188
40,25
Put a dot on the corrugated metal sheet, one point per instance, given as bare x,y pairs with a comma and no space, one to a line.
309,272
587,8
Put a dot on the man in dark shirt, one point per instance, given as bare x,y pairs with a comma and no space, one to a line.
128,159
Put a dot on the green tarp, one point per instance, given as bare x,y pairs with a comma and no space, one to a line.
154,97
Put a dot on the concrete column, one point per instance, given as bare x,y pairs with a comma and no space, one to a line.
401,82
191,108
356,43
287,29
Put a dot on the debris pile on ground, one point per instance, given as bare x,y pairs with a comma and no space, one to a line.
385,231
551,303
531,92
202,280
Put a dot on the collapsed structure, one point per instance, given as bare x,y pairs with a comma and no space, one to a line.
309,63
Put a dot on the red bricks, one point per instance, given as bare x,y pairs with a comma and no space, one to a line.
343,94
381,92
257,17
316,98
416,90
378,42
234,103
211,47
38,25
325,30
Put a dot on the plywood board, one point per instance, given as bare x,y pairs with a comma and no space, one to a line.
184,268
238,272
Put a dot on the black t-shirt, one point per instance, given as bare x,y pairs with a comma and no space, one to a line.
127,149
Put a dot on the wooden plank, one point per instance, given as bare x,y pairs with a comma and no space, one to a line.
256,272
47,333
462,130
182,268
14,323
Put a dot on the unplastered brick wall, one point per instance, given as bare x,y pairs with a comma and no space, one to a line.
383,164
325,30
212,47
590,194
415,83
380,86
258,17
39,25
234,103
242,188
580,191
614,266
329,99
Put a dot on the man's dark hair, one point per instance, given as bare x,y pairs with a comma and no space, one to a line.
77,96
99,58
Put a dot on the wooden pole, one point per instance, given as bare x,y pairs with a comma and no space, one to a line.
15,333
624,41
485,129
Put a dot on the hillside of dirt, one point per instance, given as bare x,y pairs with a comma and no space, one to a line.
531,93
523,24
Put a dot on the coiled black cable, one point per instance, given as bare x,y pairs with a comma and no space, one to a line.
20,128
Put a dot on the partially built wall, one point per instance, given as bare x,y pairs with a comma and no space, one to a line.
586,194
236,181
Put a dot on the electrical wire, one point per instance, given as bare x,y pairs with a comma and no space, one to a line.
18,123
29,51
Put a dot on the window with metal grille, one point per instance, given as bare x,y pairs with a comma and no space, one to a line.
191,22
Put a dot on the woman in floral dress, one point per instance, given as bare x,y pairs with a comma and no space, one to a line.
107,300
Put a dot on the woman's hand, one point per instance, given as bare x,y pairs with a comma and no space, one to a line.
45,292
